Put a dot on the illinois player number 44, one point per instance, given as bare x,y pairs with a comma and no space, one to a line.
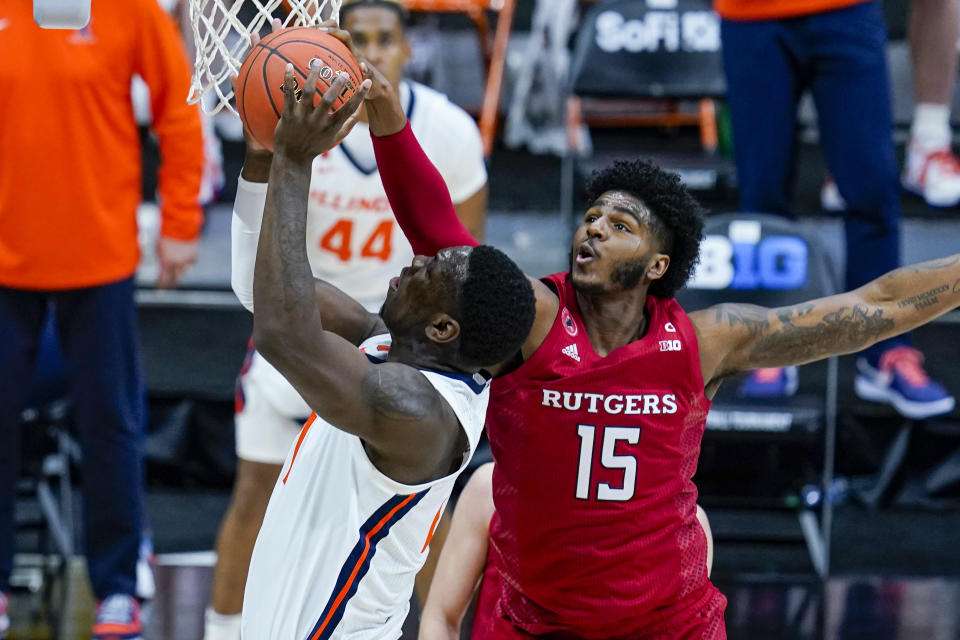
338,240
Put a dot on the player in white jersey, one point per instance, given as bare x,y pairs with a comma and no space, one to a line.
354,243
354,537
350,518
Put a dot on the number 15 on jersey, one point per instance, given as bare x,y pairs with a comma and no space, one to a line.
609,459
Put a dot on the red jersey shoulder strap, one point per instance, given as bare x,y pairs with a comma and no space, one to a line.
676,318
540,358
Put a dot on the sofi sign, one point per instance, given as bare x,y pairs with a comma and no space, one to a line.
746,259
658,29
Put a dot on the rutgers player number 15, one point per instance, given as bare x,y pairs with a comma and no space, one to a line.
609,459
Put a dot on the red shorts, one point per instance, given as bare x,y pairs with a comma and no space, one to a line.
705,623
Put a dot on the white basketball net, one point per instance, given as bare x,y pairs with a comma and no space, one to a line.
221,34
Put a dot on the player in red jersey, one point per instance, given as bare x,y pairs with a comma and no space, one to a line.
467,569
596,422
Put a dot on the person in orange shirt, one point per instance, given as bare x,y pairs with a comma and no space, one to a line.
70,183
773,51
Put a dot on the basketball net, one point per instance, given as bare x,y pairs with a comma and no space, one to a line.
221,35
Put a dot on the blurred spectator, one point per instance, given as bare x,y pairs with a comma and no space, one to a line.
774,50
69,189
357,246
930,169
213,178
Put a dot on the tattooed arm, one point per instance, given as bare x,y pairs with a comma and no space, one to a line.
738,337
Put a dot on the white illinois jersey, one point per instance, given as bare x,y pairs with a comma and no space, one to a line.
353,239
341,542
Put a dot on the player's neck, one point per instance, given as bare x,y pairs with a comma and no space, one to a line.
613,320
422,356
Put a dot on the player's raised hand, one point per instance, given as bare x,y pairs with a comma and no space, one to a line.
384,111
307,130
380,89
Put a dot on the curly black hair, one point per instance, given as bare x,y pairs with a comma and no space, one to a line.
677,220
497,307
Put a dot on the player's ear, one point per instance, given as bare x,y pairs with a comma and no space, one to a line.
441,328
657,266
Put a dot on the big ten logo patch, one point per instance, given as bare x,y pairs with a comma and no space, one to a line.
745,259
669,345
661,27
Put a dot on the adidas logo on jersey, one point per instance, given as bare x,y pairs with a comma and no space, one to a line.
572,352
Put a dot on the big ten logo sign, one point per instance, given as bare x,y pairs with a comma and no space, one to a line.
744,259
662,27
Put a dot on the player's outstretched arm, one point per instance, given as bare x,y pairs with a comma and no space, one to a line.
392,407
418,194
422,205
462,560
738,337
341,314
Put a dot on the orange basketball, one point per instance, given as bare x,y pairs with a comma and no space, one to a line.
259,90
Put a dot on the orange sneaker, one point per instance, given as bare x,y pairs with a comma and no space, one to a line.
899,379
118,618
770,382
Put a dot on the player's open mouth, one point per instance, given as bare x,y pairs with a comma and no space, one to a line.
394,281
585,254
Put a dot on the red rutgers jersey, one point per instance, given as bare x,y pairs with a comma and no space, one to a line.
595,530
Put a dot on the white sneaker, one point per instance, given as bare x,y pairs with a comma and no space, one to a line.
146,587
932,175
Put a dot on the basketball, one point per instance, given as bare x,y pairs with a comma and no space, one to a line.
259,84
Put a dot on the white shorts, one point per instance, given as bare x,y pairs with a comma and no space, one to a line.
270,413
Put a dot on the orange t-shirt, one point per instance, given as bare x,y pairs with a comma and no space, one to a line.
777,9
70,163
